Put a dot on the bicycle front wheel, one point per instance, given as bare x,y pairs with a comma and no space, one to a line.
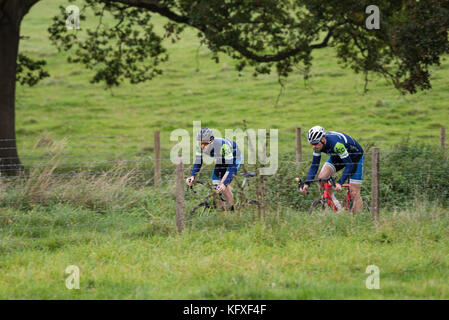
317,205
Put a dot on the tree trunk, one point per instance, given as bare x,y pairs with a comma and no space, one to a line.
11,14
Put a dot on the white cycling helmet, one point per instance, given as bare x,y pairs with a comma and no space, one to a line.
315,134
205,135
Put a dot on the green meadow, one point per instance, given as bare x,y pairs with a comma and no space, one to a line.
120,230
194,87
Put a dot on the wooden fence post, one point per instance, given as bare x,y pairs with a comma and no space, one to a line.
157,159
180,205
375,184
298,145
252,150
260,186
260,198
443,137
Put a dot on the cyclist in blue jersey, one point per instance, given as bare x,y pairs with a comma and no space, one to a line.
344,152
227,157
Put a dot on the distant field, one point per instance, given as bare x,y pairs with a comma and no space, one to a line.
121,232
193,87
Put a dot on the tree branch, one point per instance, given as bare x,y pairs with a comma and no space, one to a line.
14,11
27,4
155,6
280,55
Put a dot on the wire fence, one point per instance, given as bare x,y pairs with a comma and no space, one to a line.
141,181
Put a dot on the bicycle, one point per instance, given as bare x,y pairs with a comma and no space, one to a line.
212,200
326,202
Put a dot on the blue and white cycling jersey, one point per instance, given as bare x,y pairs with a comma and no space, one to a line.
227,157
344,151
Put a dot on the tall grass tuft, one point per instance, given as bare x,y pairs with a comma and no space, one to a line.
118,187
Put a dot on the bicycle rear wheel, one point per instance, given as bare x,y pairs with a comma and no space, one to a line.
241,200
365,207
200,209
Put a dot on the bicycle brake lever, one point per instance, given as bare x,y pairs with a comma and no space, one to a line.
191,189
300,184
332,181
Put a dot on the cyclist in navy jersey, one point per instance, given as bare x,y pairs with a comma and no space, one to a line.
344,152
228,159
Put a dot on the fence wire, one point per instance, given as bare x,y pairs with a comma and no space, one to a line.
101,183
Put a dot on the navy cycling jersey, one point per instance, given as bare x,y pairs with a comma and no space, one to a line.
340,147
226,154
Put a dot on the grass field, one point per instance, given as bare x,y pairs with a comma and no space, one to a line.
121,233
137,254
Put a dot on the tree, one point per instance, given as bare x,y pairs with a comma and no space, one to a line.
265,34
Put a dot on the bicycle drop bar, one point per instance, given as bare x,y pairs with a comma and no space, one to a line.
248,174
195,181
330,179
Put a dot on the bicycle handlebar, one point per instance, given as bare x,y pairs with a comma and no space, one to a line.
204,183
248,174
302,183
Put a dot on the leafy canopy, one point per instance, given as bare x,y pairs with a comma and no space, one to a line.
265,34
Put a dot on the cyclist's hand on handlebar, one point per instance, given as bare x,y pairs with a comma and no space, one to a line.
221,187
304,189
189,181
338,187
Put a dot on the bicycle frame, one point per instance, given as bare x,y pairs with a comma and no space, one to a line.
330,203
218,196
326,193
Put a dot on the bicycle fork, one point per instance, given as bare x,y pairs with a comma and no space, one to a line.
332,201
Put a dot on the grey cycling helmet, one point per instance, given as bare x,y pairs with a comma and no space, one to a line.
205,135
315,134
